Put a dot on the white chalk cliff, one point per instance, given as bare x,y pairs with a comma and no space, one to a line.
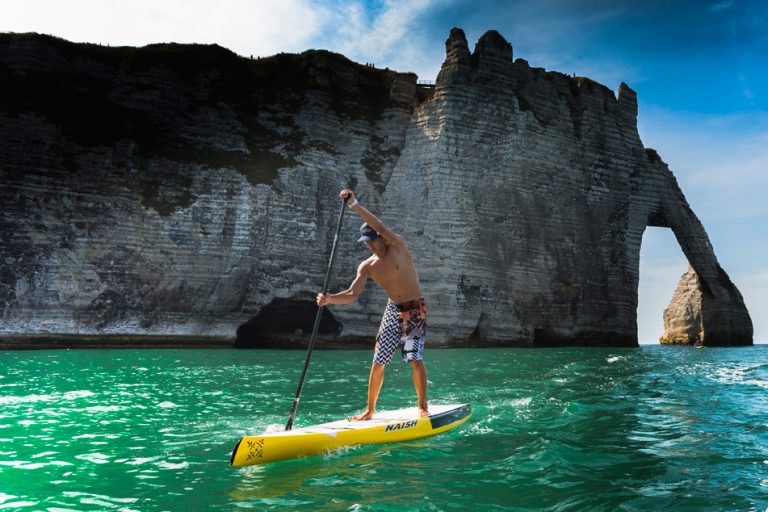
179,189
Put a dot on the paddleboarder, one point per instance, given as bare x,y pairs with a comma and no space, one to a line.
404,322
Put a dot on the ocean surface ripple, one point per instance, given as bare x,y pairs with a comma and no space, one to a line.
654,428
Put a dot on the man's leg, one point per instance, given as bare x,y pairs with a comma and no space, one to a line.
420,383
375,381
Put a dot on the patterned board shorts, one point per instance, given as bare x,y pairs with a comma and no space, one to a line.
403,325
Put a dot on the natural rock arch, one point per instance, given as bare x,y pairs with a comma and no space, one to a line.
706,306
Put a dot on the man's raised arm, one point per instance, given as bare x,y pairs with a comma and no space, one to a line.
370,219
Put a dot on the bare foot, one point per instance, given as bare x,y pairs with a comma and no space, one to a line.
366,415
423,412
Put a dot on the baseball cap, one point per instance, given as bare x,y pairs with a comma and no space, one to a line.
367,233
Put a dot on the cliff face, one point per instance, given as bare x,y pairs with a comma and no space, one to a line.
185,190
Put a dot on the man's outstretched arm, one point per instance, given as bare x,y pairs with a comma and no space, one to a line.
349,295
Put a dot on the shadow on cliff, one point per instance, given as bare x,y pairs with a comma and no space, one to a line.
285,323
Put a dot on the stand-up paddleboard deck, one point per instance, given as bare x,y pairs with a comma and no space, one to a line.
384,427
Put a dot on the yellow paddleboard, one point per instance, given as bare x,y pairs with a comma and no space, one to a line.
384,427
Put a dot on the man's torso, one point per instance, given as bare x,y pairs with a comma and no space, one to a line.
396,273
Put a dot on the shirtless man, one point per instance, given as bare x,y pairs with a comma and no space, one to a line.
404,323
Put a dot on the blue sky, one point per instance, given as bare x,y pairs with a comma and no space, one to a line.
699,69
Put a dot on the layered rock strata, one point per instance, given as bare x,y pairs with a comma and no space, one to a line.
184,190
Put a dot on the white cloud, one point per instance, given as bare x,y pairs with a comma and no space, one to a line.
258,27
388,38
722,6
718,160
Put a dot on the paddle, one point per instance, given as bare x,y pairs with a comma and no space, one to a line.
317,318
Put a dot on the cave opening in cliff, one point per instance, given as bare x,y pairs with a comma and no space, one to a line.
662,262
285,320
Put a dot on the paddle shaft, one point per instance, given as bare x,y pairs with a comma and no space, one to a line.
317,318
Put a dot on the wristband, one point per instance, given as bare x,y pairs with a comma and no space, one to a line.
353,203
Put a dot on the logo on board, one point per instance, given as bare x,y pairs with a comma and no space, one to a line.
400,426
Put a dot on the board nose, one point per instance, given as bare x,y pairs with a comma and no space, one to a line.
234,452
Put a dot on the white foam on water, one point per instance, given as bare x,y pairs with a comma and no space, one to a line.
16,505
138,461
69,395
274,427
43,454
23,464
102,501
739,375
170,465
105,408
95,458
520,402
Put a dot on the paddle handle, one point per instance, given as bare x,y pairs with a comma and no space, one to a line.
318,317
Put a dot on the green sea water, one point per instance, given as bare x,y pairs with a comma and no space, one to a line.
653,428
